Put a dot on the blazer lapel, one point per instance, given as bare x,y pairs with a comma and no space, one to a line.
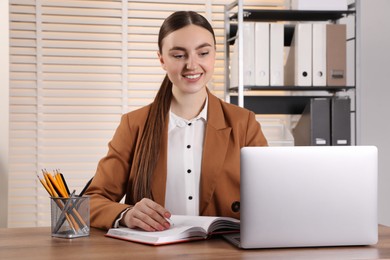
216,142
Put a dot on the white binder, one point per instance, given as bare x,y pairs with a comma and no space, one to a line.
299,62
262,54
276,54
249,57
319,54
234,66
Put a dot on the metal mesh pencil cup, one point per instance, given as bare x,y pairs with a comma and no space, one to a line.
70,217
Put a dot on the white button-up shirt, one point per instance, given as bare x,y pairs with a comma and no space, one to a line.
185,149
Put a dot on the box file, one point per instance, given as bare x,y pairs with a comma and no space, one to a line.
298,70
319,54
276,54
340,121
313,127
234,66
249,58
336,54
262,54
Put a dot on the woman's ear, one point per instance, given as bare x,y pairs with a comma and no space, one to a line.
160,57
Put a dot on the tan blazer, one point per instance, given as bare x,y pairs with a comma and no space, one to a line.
228,128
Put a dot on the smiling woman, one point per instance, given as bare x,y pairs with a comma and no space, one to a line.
180,154
189,64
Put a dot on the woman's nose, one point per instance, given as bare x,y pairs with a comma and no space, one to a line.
191,63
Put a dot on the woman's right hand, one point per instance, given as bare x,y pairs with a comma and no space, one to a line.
147,215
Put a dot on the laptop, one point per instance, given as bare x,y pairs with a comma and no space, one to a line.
308,196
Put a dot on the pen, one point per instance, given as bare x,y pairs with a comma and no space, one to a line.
85,187
170,222
64,182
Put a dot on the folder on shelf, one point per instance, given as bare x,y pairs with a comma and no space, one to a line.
340,121
249,47
248,35
234,66
298,69
336,54
319,54
276,54
313,127
262,54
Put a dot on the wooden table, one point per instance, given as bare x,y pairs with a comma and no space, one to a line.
37,243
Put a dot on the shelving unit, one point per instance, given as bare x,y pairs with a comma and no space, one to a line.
278,99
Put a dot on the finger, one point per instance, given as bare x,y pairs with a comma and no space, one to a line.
142,225
146,214
134,219
144,219
159,213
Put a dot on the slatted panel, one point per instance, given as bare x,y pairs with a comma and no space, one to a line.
75,67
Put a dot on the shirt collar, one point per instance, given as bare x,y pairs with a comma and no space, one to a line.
176,121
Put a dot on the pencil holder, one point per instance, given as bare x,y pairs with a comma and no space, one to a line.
70,217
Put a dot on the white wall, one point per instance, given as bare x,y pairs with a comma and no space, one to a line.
374,85
4,108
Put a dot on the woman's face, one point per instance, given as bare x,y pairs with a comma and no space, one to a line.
188,57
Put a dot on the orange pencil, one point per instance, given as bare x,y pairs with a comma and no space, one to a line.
55,185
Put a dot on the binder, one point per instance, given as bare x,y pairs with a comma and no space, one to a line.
336,64
298,70
313,127
248,57
276,54
234,66
249,48
319,54
262,54
340,121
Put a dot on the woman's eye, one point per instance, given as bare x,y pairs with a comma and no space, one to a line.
178,56
204,53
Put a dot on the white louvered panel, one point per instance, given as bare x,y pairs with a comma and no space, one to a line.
82,11
70,20
95,61
70,84
23,120
96,4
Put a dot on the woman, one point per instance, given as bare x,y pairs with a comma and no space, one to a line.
180,154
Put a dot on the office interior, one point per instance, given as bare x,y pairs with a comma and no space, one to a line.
28,146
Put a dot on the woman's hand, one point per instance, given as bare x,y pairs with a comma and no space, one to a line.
147,215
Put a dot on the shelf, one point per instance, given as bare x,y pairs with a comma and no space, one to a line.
291,15
275,104
294,88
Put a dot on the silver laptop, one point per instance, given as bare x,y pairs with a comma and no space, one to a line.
308,196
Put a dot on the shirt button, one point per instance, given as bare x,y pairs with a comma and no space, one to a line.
189,123
190,197
189,170
188,146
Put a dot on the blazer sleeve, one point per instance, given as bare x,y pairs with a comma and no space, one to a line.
112,175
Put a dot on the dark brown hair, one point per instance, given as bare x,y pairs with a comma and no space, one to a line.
146,157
